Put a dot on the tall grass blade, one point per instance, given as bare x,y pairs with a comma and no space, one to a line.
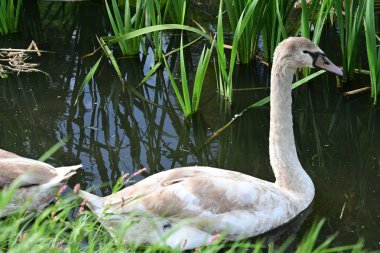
175,87
88,77
204,61
185,87
107,51
124,26
9,16
242,20
373,51
305,28
222,62
350,24
147,30
52,150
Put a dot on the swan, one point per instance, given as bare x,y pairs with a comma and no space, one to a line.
186,207
37,181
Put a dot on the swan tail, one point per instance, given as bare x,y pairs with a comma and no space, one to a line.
95,203
63,174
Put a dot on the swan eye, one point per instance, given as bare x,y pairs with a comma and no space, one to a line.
305,52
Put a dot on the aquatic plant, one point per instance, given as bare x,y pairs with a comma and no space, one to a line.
321,11
249,35
155,18
350,21
373,49
9,15
189,105
274,28
239,23
124,26
177,10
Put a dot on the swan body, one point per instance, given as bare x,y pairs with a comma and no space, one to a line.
185,207
37,181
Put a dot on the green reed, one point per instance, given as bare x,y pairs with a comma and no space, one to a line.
190,103
176,10
249,35
9,15
350,21
274,28
240,24
319,10
373,51
124,26
155,18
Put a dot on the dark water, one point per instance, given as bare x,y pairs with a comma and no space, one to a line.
115,129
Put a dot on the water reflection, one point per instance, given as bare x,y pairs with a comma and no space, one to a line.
116,128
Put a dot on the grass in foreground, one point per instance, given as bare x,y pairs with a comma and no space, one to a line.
64,226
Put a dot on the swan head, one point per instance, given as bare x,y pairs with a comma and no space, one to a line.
300,52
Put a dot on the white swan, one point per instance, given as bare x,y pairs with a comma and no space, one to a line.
37,181
205,201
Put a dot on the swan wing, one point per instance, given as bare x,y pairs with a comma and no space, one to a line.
27,171
7,154
194,192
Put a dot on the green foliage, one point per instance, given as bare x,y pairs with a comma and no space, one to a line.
189,105
9,15
130,23
177,10
155,18
248,34
240,22
350,20
273,32
373,50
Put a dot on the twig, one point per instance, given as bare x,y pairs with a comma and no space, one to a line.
23,50
357,91
16,59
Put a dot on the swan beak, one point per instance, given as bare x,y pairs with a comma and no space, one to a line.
323,62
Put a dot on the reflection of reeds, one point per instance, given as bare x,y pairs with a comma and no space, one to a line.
337,143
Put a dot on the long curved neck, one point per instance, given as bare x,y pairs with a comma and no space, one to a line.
282,150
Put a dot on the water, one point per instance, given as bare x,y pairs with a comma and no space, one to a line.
112,130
